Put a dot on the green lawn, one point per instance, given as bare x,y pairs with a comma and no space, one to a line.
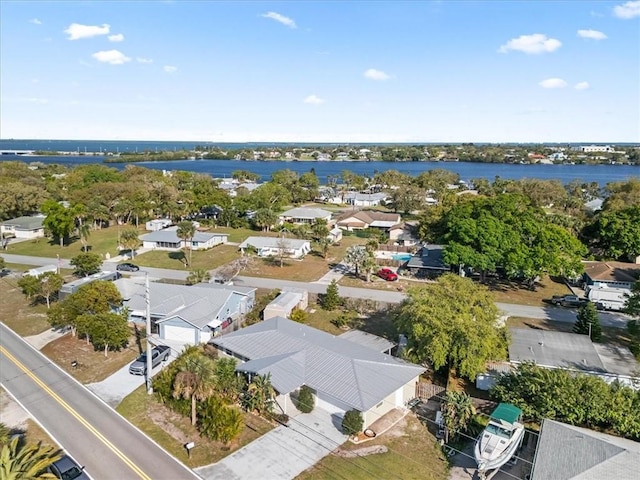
100,241
172,431
239,235
206,259
17,312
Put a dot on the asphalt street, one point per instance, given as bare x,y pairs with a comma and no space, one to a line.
94,434
558,314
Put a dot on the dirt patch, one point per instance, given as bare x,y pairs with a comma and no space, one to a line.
362,452
165,419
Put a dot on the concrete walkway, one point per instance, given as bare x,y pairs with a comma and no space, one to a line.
336,273
283,453
40,340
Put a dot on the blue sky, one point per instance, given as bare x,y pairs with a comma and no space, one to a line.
321,71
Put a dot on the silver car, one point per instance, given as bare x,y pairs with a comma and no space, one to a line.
67,469
159,354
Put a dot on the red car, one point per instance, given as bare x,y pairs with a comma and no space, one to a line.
387,274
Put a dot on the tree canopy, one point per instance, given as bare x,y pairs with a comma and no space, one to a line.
454,323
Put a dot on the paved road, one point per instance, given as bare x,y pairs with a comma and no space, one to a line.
94,434
558,314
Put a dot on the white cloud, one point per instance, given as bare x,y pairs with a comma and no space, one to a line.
281,19
77,31
144,60
118,37
592,34
627,10
314,100
170,69
114,57
553,83
531,44
582,86
39,101
35,21
373,74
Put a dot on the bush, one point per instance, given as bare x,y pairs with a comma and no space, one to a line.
305,400
299,316
352,422
331,299
255,315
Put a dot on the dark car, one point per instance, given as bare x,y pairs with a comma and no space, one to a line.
127,267
159,354
67,469
568,300
388,274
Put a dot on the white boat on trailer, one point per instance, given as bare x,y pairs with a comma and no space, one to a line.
501,438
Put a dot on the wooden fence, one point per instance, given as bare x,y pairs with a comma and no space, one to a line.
426,391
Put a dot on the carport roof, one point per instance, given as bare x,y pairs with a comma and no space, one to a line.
297,355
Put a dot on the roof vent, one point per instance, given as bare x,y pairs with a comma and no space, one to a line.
541,344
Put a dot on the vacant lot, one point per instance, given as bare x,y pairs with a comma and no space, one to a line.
377,323
513,292
172,431
412,453
16,311
92,365
99,241
205,260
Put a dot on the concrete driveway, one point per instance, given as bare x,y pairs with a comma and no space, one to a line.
282,453
120,384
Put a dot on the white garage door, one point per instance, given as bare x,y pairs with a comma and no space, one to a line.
181,334
331,406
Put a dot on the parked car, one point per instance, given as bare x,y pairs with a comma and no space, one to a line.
67,469
387,274
568,300
127,267
159,354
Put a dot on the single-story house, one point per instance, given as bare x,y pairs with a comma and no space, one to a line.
612,274
344,375
157,224
285,303
167,239
369,340
271,246
402,234
364,199
368,219
305,215
567,452
72,287
37,271
427,262
23,227
193,314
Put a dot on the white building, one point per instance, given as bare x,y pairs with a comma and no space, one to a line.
271,246
305,215
596,148
168,239
23,227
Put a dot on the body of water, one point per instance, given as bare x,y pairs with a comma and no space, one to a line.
602,174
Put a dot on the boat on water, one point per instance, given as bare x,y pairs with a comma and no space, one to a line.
501,438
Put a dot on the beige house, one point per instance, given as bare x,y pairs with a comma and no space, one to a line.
368,219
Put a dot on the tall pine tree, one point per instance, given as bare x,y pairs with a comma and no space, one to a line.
588,319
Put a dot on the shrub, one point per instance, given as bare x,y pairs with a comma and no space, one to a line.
255,315
299,316
352,422
331,299
305,400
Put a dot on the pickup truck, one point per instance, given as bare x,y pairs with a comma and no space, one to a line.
159,354
568,300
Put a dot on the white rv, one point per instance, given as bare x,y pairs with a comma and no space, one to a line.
608,298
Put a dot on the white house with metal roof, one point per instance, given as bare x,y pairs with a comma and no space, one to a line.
305,215
191,314
344,374
23,227
271,246
167,239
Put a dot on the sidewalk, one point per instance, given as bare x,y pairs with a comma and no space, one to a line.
336,273
40,340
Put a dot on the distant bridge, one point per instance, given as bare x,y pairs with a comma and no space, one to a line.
17,152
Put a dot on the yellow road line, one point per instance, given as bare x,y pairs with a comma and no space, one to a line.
75,414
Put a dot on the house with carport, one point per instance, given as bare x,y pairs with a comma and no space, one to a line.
271,246
167,239
343,374
190,314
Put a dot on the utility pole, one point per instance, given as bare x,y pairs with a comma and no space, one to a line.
589,330
149,347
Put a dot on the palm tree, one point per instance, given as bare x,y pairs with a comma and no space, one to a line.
457,411
5,434
129,240
26,461
186,231
195,381
261,393
84,232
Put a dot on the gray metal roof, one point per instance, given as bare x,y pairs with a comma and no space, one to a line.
554,349
429,258
296,355
287,300
170,235
273,242
368,340
25,223
566,452
306,213
196,305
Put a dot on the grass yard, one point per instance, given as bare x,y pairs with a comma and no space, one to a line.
239,235
99,241
16,311
506,292
378,323
413,453
92,364
172,431
206,259
377,283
